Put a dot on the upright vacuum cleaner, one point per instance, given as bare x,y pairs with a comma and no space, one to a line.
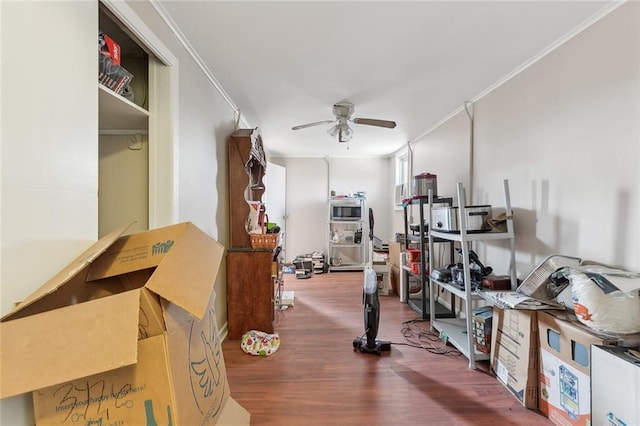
368,343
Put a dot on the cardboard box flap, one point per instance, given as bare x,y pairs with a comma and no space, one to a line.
68,343
233,414
71,270
142,250
186,260
187,277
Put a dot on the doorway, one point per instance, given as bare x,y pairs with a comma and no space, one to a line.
275,190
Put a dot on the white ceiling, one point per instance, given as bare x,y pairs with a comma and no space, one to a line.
286,63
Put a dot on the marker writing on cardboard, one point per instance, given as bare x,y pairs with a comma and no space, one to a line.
71,402
85,402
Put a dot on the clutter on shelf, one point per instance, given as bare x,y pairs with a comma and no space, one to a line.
110,73
605,299
536,291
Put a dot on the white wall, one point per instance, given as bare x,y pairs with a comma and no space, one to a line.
566,133
50,148
445,153
309,182
49,154
369,175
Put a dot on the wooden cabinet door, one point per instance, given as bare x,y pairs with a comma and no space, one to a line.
249,292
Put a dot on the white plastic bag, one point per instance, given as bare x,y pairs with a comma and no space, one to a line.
605,299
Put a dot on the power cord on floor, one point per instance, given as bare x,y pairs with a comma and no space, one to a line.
421,337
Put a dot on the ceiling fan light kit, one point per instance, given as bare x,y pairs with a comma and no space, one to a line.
343,112
345,133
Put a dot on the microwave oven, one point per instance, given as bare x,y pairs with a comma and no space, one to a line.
346,210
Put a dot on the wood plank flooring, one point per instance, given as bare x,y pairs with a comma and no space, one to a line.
316,378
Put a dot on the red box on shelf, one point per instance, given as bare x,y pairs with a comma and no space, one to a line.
109,48
413,255
415,268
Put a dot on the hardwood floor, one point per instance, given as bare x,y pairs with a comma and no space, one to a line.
316,378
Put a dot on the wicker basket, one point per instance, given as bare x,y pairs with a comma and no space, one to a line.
268,241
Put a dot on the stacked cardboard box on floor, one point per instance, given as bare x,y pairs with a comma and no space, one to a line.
514,353
126,334
565,368
317,260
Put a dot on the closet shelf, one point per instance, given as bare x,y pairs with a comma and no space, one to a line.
118,113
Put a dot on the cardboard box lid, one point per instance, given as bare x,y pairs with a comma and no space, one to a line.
77,340
186,260
70,271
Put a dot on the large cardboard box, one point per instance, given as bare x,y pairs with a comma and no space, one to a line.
565,368
124,335
394,279
514,353
615,386
394,253
382,278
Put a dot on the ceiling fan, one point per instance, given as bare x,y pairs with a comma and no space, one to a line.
343,112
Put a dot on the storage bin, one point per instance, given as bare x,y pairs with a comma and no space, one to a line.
413,255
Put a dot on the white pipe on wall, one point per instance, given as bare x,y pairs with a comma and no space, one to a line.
469,108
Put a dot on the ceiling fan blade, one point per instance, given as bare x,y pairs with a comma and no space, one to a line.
374,122
317,123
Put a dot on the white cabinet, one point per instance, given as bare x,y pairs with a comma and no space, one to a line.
459,331
346,249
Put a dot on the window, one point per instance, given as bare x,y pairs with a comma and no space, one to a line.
402,178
